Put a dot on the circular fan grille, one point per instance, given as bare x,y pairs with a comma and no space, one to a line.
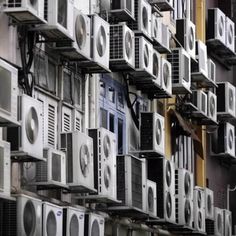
230,139
107,176
155,65
219,223
34,3
101,41
221,26
200,220
158,132
209,204
212,106
32,125
187,212
155,28
168,205
74,226
166,75
191,38
107,146
84,160
199,199
150,199
95,231
230,34
128,45
81,32
145,18
51,224
29,218
168,174
187,184
146,56
231,99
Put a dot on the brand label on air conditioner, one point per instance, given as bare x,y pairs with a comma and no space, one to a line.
59,213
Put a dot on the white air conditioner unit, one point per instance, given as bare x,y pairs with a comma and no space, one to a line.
209,203
131,182
199,209
28,139
80,161
152,133
226,97
181,70
25,11
216,25
123,9
52,173
59,17
5,168
94,224
121,57
104,161
185,33
230,34
151,198
165,36
8,94
184,197
73,221
156,68
227,222
156,29
166,76
52,219
212,106
162,172
211,70
199,99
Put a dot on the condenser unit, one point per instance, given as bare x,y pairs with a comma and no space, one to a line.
104,150
156,29
52,172
80,161
199,209
211,70
216,25
94,224
209,203
181,70
73,221
152,134
162,172
212,106
52,219
151,198
156,68
226,97
121,47
185,33
227,215
230,34
8,94
25,11
199,99
166,76
27,140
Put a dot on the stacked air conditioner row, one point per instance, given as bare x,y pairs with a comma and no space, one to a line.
32,216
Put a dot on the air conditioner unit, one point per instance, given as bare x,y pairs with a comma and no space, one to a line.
123,9
131,182
152,134
122,56
211,70
162,172
209,203
165,36
52,219
230,34
5,168
24,11
156,29
227,222
181,70
94,224
166,76
212,106
163,5
156,68
28,139
104,150
59,17
80,48
151,198
8,94
199,99
199,209
185,33
80,161
52,173
73,221
226,96
216,25
184,197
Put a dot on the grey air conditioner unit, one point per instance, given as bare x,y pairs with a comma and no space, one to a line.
94,225
166,76
227,222
80,161
226,100
212,106
104,149
151,198
209,204
230,34
8,94
199,209
185,33
181,70
152,134
25,11
27,140
199,100
211,70
122,56
162,172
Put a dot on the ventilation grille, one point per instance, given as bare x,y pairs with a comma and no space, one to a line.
1,168
78,124
51,125
46,10
66,122
174,59
116,42
56,167
134,24
41,169
210,227
121,179
13,3
137,62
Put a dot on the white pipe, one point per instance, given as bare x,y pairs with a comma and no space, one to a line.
188,9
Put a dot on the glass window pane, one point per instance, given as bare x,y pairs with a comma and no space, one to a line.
111,122
67,88
52,75
77,91
103,118
120,136
111,95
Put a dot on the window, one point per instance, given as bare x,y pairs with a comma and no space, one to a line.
120,136
120,101
111,94
77,91
103,118
111,122
67,87
102,88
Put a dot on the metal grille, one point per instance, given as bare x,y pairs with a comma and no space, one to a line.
121,179
78,124
56,167
174,59
66,122
41,169
13,3
146,131
116,42
51,125
134,24
137,62
46,10
1,168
